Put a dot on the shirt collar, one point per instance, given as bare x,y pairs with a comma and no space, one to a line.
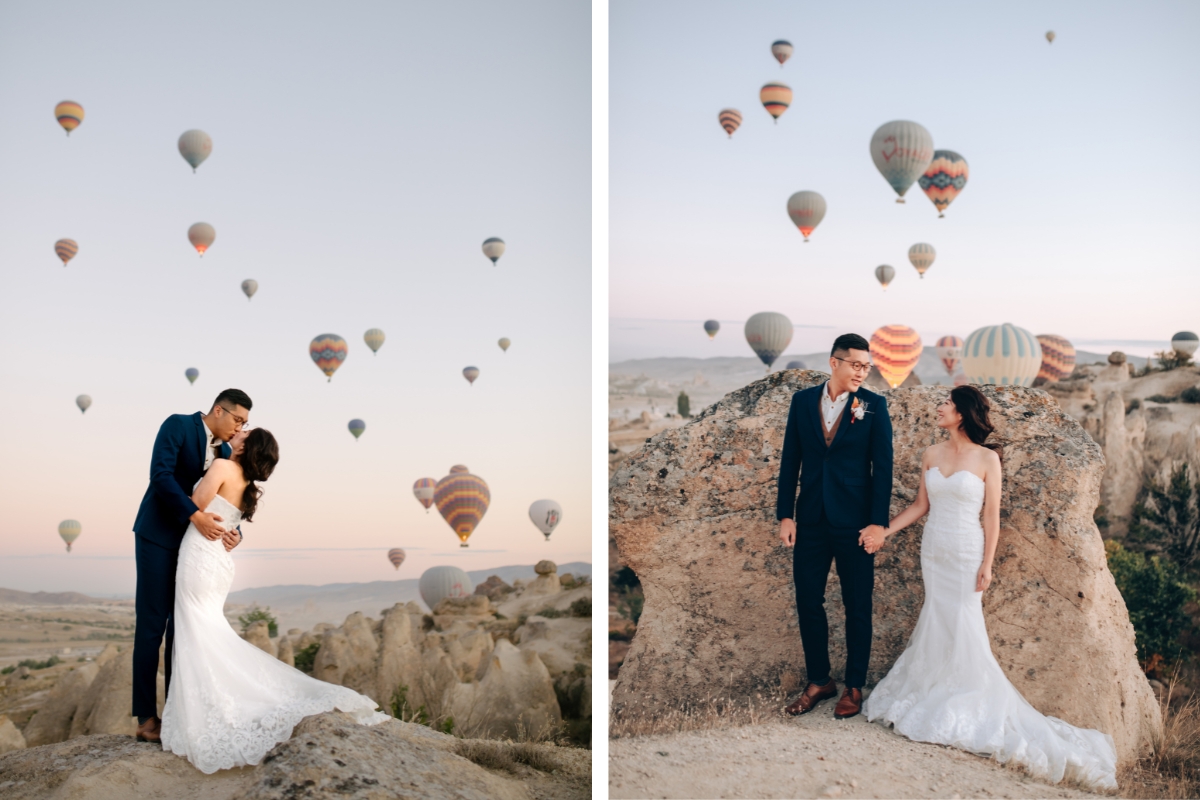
208,431
838,399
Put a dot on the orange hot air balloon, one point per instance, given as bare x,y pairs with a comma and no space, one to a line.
775,97
1058,357
69,114
895,351
462,499
730,119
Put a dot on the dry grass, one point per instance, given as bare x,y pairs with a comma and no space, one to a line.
498,755
716,713
1174,769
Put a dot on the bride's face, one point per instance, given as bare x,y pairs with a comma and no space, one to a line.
947,415
238,442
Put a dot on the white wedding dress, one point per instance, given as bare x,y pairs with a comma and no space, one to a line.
229,702
947,687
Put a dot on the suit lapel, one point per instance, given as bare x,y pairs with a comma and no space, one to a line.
845,423
201,438
815,414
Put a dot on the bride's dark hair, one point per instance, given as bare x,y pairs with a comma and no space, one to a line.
975,410
258,460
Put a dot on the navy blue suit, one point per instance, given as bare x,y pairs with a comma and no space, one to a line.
844,487
175,465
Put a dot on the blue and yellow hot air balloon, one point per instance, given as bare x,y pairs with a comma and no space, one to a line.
357,426
922,255
711,327
191,373
493,248
69,114
328,351
462,499
1002,354
374,339
949,350
945,177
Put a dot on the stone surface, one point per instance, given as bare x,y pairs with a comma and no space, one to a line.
105,705
693,515
10,738
546,581
286,653
347,656
515,697
560,643
493,588
259,635
52,722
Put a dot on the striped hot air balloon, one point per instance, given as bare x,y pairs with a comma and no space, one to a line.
396,556
1185,342
438,583
462,499
328,351
423,491
357,426
191,373
895,350
504,343
950,350
195,146
202,235
782,50
374,339
961,379
66,249
768,334
459,469
884,274
84,402
471,373
249,287
922,255
69,114
69,530
711,327
1002,354
730,119
493,248
1058,357
901,151
806,210
775,97
945,177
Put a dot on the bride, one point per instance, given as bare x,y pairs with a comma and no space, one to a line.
230,702
947,687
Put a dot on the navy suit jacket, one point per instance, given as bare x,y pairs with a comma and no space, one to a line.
175,466
851,479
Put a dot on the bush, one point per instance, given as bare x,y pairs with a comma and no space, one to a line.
1190,394
1161,398
256,614
1100,517
1172,359
582,607
1134,404
551,613
32,664
629,605
1167,520
684,404
625,578
1155,594
306,657
11,668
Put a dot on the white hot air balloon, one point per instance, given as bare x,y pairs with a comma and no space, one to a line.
195,146
884,274
202,235
84,402
493,248
806,210
1002,354
545,515
768,334
504,343
1185,342
374,339
438,583
922,255
249,287
902,151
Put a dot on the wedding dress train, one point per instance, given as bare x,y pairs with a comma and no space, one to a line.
947,687
230,703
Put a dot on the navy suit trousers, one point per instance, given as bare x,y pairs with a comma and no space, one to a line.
155,607
817,546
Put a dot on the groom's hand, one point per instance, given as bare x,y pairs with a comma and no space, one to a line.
231,539
787,532
872,537
207,525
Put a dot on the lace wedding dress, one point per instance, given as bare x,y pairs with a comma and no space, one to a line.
230,702
947,687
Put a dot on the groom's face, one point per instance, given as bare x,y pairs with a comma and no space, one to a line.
848,368
228,421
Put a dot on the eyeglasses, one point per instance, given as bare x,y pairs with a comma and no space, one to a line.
241,421
857,366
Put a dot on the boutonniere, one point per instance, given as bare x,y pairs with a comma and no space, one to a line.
858,410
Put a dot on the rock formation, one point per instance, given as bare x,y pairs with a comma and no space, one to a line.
53,721
10,738
515,698
693,515
284,651
259,635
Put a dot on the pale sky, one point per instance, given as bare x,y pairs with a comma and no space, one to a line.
1079,217
361,155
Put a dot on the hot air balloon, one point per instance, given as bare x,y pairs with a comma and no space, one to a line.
901,151
795,365
769,333
493,248
782,50
806,210
423,491
374,339
1058,357
884,274
949,350
357,426
895,350
84,402
775,97
65,249
459,469
396,556
191,373
249,287
471,373
1002,354
438,583
1050,37
69,115
944,178
69,530
961,379
504,343
195,146
730,119
328,351
922,255
711,327
1185,342
462,499
202,235
545,514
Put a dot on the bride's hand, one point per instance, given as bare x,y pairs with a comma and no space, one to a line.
984,578
872,538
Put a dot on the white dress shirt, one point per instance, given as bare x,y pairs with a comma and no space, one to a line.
832,408
208,447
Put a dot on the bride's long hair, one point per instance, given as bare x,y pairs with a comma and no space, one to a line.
258,459
975,410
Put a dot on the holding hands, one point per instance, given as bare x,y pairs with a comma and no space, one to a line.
872,537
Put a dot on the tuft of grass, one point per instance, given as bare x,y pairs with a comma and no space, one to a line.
505,755
1173,771
716,713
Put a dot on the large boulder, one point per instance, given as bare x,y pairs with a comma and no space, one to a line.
399,663
10,738
560,643
546,582
259,635
52,722
693,515
515,698
105,705
285,652
347,656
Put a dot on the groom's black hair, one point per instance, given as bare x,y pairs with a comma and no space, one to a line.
235,396
844,343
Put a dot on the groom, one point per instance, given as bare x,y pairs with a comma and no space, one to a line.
184,449
838,443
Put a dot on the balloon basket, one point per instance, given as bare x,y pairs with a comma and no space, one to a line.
900,200
941,216
464,544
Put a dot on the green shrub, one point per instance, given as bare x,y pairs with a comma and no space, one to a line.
1161,398
551,613
11,668
619,636
306,657
1134,404
582,607
629,604
32,664
1154,594
1100,517
256,614
1166,519
1190,394
684,405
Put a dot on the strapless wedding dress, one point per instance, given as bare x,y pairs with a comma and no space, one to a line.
230,702
947,687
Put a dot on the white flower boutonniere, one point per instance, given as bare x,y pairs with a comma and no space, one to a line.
858,410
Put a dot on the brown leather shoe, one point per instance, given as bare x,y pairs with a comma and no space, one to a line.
150,730
812,695
849,705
